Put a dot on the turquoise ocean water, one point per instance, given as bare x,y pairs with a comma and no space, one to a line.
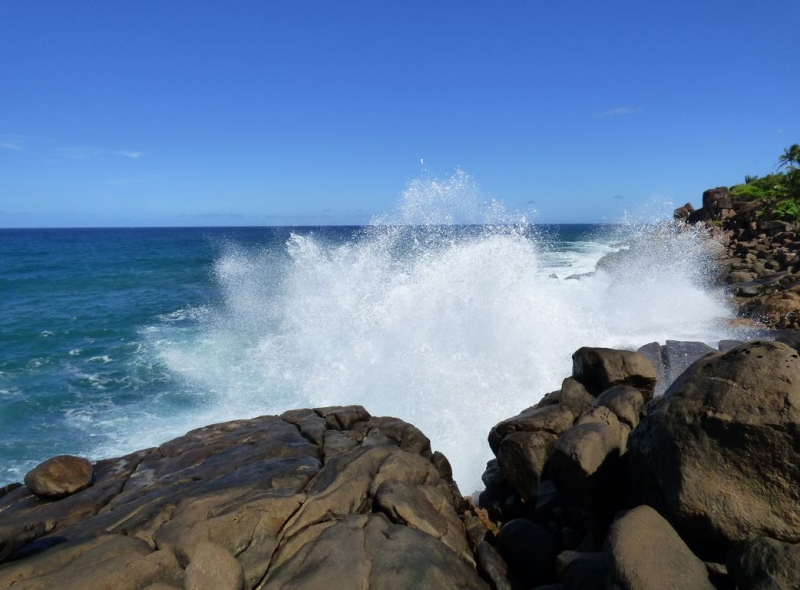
113,340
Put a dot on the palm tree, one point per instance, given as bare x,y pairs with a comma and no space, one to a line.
790,157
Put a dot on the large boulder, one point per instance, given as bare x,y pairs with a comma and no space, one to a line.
719,453
59,476
530,552
586,467
328,498
523,457
646,553
717,203
555,419
600,368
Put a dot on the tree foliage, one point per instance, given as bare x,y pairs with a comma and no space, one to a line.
779,192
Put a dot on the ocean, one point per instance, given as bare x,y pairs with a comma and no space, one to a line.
114,340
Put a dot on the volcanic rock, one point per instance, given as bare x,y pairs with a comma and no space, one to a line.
332,498
600,368
719,453
585,464
523,456
765,564
529,550
646,553
626,402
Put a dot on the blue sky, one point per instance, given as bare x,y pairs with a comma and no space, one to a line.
319,112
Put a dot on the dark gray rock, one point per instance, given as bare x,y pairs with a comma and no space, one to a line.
523,457
653,352
719,453
530,552
582,571
646,553
765,564
678,355
586,467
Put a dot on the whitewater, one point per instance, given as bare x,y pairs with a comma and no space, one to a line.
449,312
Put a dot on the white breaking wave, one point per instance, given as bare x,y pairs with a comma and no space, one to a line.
450,328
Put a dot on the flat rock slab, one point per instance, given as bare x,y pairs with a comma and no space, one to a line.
329,498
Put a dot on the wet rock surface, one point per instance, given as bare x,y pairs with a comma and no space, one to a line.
327,498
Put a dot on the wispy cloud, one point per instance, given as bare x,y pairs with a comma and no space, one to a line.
92,153
53,147
12,145
617,112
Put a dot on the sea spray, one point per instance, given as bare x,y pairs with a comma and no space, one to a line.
442,312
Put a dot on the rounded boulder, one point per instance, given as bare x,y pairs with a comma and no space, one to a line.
719,453
59,476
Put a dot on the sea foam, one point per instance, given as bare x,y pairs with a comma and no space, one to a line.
442,312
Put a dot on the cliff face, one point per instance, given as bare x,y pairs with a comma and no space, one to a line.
761,261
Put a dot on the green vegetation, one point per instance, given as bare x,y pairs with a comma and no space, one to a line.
779,192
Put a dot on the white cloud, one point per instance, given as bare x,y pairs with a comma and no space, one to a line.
91,153
11,145
617,111
129,154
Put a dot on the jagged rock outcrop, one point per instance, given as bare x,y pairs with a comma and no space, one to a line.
328,498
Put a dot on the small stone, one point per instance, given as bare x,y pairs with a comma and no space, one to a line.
59,476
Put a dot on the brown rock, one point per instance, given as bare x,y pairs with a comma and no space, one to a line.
646,553
626,402
600,368
328,498
765,564
523,456
555,419
213,568
719,453
586,469
59,476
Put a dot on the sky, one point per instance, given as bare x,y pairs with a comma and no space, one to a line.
298,112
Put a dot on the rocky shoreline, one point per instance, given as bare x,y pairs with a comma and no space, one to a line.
602,484
675,466
760,259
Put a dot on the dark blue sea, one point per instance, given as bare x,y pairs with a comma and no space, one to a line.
112,340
